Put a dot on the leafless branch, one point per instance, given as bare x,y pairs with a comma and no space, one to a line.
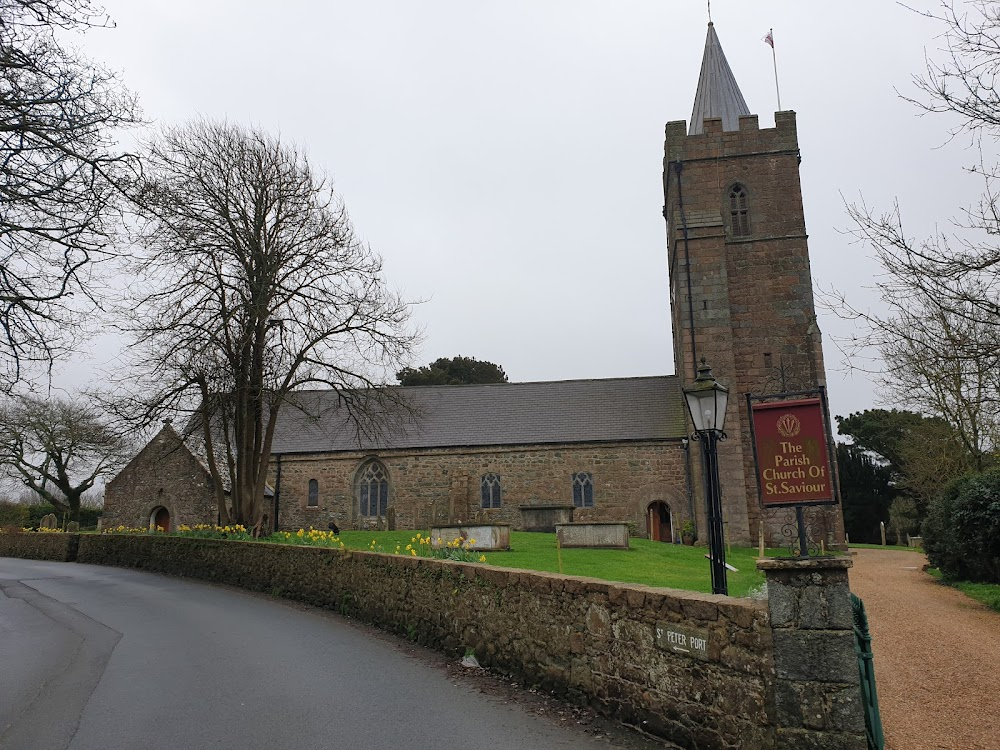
252,286
59,173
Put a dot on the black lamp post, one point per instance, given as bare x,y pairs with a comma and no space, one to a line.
706,400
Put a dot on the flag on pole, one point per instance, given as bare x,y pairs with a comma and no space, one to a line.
769,41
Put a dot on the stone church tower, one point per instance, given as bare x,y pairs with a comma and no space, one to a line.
740,284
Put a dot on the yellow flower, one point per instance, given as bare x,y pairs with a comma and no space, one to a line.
413,552
482,558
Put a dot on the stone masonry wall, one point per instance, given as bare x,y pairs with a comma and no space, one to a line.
442,485
36,545
594,642
164,473
817,700
751,297
706,672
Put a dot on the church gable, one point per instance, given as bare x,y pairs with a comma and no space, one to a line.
164,475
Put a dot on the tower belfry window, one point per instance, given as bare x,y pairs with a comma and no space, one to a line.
739,211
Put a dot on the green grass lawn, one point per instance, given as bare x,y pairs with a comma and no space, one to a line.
650,563
987,593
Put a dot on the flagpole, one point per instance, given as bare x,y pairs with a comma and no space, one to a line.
774,58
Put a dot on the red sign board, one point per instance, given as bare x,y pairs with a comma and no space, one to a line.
793,463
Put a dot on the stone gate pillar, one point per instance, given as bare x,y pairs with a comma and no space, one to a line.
817,693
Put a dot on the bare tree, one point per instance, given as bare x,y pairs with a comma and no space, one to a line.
964,82
254,285
934,454
959,269
937,356
938,329
58,169
58,448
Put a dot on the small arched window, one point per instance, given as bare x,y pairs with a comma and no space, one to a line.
739,211
313,501
373,490
490,491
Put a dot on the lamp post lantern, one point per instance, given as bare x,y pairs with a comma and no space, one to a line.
706,401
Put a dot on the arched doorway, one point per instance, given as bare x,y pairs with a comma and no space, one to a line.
659,523
160,519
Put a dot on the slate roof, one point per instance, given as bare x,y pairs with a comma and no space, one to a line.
569,411
718,93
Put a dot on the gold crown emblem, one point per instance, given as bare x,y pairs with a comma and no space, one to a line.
789,425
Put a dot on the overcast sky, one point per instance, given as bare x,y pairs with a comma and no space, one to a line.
505,157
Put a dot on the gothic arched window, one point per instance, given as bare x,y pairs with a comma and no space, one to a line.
739,211
313,500
373,490
490,488
583,489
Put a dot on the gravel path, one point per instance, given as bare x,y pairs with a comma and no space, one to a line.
937,656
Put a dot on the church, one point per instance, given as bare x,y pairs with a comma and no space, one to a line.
614,450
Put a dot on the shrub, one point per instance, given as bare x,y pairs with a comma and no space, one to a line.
962,530
13,514
88,516
904,518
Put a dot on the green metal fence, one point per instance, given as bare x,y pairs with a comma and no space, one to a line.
866,670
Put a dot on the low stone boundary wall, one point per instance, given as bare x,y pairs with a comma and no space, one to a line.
707,672
39,545
592,641
608,535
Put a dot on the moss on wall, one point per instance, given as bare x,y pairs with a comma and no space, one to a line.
40,546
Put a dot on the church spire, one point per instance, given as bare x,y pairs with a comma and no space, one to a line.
718,93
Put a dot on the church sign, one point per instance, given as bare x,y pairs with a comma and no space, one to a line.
793,457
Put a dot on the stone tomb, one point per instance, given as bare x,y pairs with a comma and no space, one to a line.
544,517
486,537
607,535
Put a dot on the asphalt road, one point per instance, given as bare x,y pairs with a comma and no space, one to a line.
95,658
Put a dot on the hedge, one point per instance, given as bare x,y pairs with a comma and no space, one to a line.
962,529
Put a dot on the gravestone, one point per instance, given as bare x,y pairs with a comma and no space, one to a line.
49,521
